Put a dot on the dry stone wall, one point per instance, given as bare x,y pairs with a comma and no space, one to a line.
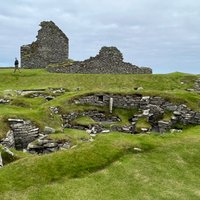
197,85
51,46
153,108
46,145
97,116
24,135
21,133
108,61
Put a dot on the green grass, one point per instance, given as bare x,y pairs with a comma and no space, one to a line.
28,102
167,116
37,79
108,168
124,115
72,135
142,123
84,120
7,158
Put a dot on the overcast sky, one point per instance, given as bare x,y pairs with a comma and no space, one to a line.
164,35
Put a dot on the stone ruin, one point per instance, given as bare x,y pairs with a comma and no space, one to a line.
21,133
160,114
108,61
152,108
197,85
51,46
51,50
25,135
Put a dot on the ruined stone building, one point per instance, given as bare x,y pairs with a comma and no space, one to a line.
108,61
51,46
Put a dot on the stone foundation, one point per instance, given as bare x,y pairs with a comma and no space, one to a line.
97,116
152,108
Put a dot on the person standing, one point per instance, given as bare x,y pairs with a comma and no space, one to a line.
16,65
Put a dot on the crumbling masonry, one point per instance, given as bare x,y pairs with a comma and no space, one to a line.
50,47
108,61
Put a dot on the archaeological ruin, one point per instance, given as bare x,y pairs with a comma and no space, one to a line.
147,114
108,61
50,51
51,46
159,114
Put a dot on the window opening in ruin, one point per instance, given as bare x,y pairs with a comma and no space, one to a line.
100,98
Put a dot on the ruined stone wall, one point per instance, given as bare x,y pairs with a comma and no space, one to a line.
24,135
51,46
197,85
21,134
108,61
153,107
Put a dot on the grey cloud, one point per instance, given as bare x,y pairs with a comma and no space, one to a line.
162,34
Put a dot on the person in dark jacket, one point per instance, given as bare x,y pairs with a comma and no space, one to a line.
16,65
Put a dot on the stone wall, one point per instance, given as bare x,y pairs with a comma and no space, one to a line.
51,46
21,133
197,85
24,135
151,107
108,61
97,116
100,118
4,101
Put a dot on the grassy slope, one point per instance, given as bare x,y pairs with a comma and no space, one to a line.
167,168
166,85
31,79
108,168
